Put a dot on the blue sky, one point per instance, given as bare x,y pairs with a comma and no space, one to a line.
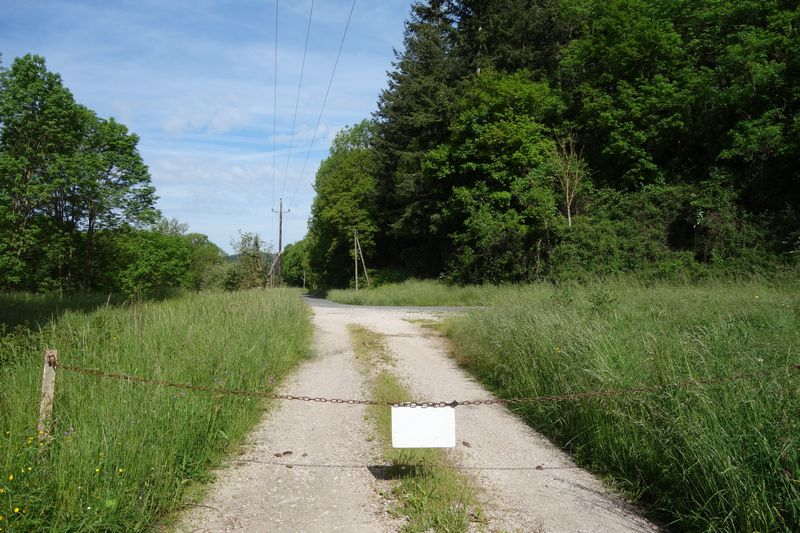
194,79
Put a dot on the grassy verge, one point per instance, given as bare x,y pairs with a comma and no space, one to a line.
123,455
429,293
430,493
710,458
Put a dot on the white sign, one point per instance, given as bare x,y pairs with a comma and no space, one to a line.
423,427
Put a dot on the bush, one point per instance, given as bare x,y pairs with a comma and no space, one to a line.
150,264
661,232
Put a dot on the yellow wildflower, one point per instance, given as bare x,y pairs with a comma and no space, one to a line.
11,477
16,509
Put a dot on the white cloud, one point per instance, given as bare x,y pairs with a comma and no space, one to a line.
194,79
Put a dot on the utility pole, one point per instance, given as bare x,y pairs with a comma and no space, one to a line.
355,253
280,212
363,263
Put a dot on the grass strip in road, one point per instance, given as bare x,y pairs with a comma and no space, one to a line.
430,493
124,455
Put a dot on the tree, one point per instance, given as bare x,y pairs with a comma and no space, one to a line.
253,260
570,170
149,264
509,35
494,170
346,189
111,186
413,116
65,174
40,127
205,262
170,226
296,268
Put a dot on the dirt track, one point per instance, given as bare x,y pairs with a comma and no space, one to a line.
325,484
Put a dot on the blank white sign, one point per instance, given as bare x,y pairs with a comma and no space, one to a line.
423,427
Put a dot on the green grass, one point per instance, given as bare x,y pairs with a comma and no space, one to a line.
708,458
124,456
428,293
35,310
430,492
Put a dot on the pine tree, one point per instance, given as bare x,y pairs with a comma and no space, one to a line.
413,117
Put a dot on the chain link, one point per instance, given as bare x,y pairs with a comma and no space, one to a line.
455,403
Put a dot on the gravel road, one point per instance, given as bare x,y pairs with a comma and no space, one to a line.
324,484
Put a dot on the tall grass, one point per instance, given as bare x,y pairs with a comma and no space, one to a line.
426,293
705,458
123,455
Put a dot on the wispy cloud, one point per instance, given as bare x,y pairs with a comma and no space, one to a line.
194,79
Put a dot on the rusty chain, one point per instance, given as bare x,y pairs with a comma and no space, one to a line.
455,403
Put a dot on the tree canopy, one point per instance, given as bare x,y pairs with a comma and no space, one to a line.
77,206
527,139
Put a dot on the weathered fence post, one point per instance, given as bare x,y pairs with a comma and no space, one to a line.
48,392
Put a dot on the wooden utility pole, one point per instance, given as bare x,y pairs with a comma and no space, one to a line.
355,254
279,259
363,263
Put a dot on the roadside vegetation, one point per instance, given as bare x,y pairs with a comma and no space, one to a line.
123,456
568,139
701,458
430,492
426,293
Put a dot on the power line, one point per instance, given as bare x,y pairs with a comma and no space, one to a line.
325,98
275,106
297,100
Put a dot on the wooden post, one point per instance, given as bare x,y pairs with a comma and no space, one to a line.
355,253
363,263
279,269
48,392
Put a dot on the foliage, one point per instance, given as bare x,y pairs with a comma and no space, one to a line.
413,117
295,264
206,266
345,186
501,202
150,263
702,458
66,174
123,456
491,105
252,265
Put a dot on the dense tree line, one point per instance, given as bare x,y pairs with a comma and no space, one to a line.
529,139
77,207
